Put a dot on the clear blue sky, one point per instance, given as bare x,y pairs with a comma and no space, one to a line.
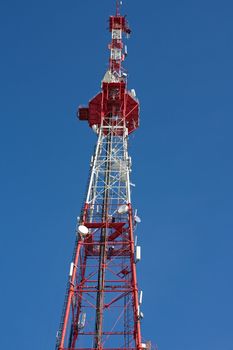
53,56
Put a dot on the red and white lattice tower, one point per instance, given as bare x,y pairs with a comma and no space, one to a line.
102,303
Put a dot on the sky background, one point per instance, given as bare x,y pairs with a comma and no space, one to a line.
53,55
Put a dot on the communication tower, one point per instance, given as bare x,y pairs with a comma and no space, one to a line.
102,308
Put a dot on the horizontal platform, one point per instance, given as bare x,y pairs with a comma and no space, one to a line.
97,348
116,225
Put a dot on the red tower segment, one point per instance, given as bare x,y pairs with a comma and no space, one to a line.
102,303
114,97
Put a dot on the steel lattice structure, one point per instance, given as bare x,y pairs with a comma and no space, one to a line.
102,303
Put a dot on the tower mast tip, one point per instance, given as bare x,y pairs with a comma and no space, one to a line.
118,4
